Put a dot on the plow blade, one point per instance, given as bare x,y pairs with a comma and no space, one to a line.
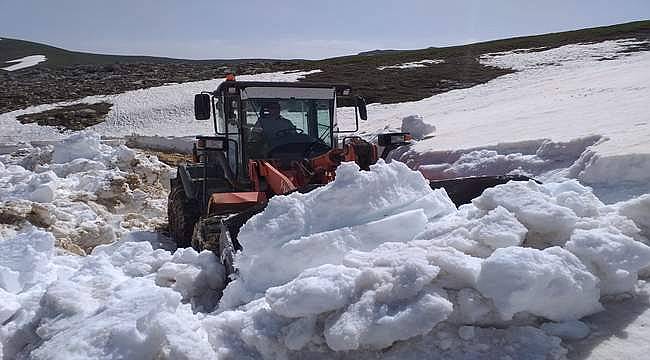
463,190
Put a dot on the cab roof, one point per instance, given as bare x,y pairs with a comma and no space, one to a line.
340,88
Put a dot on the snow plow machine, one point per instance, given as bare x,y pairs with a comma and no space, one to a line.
273,138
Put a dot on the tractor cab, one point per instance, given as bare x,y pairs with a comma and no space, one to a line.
274,120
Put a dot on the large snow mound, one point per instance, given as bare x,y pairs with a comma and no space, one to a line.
424,264
375,262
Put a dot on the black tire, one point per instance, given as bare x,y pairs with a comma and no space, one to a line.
182,214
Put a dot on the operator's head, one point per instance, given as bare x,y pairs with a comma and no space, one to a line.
271,108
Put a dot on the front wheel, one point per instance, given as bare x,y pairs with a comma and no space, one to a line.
182,215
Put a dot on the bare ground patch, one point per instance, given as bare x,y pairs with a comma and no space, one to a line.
72,117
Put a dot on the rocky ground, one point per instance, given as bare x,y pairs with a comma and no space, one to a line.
45,85
373,74
71,117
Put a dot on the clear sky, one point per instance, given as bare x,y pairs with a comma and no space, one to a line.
292,28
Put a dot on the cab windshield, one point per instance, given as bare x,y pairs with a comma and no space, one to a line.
288,127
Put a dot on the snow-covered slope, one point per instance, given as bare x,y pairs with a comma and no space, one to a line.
394,269
563,93
166,110
588,101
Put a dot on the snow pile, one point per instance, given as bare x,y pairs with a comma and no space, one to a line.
123,301
411,65
374,261
543,159
24,62
79,189
312,279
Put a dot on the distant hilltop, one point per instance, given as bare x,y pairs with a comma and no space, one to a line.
44,74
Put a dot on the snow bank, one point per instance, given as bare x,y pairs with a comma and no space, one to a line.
374,263
313,282
80,188
24,62
103,305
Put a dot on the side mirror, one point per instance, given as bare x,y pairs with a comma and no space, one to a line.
202,106
361,107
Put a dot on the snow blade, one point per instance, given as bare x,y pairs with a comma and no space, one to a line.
463,190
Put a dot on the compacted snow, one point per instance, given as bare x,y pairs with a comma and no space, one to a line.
24,62
373,265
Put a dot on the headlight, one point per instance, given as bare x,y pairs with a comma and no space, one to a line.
210,143
393,138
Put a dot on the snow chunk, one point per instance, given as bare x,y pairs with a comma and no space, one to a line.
570,330
314,291
393,187
548,223
8,307
85,145
25,260
615,258
499,228
458,269
638,210
369,324
198,277
383,296
134,258
415,125
138,320
472,307
300,231
551,283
